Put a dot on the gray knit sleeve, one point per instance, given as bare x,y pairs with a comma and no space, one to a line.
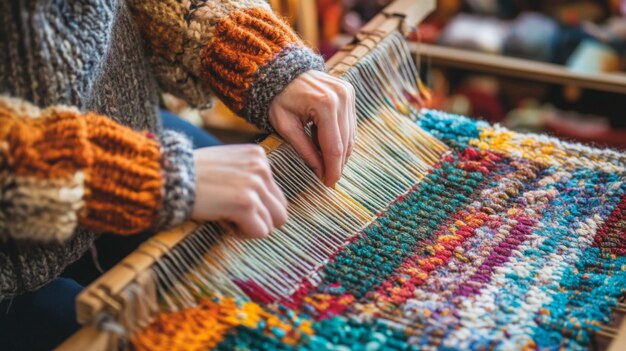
51,52
179,180
25,266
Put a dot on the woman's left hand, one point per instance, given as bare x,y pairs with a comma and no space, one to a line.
327,102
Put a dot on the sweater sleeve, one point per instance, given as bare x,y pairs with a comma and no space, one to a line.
60,168
27,266
237,49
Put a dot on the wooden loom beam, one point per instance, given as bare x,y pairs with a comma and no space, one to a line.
104,294
398,14
619,342
519,68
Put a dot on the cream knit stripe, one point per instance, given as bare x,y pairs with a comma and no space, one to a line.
23,108
20,107
32,208
44,210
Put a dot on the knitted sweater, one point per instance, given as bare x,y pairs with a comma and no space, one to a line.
81,149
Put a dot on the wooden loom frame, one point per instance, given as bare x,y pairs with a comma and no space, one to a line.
104,294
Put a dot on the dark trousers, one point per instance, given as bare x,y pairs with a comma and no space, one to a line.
42,319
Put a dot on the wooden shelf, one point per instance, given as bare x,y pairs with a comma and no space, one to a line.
519,68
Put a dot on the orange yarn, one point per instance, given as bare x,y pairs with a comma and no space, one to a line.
125,179
203,327
50,148
121,168
243,41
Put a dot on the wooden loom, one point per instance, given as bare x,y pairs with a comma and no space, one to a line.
110,296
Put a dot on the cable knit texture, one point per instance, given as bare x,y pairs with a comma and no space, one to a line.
68,173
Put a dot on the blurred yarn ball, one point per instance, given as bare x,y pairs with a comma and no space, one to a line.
475,32
531,37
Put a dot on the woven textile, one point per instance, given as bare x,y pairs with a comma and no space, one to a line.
513,241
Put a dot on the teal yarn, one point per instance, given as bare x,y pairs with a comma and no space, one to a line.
406,225
454,130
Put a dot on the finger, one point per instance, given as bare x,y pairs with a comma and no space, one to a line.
245,210
275,209
264,213
251,225
348,100
262,210
329,135
344,116
296,136
264,171
352,120
276,192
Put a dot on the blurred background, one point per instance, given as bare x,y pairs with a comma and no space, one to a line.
490,59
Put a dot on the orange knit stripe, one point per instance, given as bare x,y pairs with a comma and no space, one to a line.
136,152
125,180
54,147
243,41
268,26
234,66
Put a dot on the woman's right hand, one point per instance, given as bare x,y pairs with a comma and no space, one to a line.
234,183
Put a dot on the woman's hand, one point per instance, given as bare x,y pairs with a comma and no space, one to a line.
329,103
234,183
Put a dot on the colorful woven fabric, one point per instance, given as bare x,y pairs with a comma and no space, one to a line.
513,241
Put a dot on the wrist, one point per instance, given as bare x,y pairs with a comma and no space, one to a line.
273,78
